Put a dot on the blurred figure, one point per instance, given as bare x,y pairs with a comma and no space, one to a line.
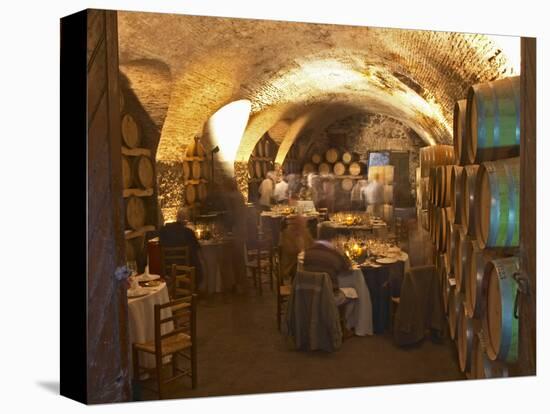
329,193
267,187
294,186
176,234
355,196
280,193
294,239
373,196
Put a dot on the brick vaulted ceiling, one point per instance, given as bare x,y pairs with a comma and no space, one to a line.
184,68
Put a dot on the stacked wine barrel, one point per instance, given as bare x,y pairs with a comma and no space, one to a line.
262,159
336,162
291,164
195,173
138,182
474,225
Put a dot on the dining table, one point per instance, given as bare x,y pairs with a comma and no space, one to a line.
152,291
223,263
328,230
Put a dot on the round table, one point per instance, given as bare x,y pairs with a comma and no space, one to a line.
224,262
141,317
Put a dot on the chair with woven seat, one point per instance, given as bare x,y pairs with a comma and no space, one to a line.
175,336
259,259
183,281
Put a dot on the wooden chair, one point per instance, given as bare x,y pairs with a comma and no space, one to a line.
169,256
183,281
179,341
283,291
259,259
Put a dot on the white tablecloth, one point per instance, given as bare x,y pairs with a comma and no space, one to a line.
141,316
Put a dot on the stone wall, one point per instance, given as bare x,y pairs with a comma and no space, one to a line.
366,132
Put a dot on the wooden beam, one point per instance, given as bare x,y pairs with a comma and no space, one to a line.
528,206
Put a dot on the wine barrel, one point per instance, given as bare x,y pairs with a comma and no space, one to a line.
348,157
260,149
265,165
267,148
316,158
191,170
424,219
131,133
499,323
455,303
251,172
190,194
126,173
443,186
432,184
467,199
450,246
461,245
324,168
258,168
455,192
143,172
355,169
482,366
459,132
443,215
308,168
121,102
205,170
388,194
497,203
424,195
444,283
347,184
464,340
434,155
339,168
195,149
135,213
493,120
474,271
202,191
331,155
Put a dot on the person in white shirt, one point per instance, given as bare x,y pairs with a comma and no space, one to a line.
373,196
280,193
266,190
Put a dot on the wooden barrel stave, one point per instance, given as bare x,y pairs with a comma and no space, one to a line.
455,299
456,193
497,203
190,194
435,155
467,201
459,132
493,120
465,340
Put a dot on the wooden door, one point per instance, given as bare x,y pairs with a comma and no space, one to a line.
107,335
402,184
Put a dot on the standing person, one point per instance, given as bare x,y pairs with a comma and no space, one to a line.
373,195
355,196
266,191
280,193
329,192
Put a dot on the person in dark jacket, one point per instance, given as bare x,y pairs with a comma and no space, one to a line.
176,234
322,256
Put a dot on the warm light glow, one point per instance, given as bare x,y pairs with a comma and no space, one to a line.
226,128
511,47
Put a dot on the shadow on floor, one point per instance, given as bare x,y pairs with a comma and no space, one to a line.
51,386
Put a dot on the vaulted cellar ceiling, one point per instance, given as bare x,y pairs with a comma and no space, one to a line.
184,68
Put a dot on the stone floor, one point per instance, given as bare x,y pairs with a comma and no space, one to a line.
240,351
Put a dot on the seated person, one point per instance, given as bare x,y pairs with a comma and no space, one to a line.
295,237
322,256
177,234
